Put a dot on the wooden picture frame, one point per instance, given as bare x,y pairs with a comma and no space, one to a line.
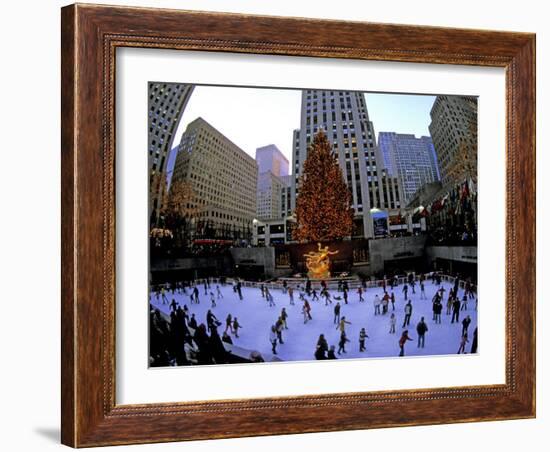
90,36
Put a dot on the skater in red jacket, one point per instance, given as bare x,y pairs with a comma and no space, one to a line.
402,341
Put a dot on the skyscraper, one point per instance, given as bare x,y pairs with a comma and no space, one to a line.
268,196
223,178
454,134
167,102
344,117
411,159
270,158
286,196
272,167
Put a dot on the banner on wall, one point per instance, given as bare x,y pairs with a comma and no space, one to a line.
379,222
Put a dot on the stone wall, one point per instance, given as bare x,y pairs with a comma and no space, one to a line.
261,256
187,268
381,250
453,253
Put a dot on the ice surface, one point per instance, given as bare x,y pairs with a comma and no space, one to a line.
300,340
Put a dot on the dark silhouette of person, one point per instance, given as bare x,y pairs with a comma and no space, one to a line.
474,342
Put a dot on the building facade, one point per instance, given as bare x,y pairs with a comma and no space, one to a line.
286,196
271,232
344,117
223,178
167,102
454,134
270,158
269,196
272,182
412,159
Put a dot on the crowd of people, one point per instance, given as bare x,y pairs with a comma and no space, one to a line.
181,339
178,337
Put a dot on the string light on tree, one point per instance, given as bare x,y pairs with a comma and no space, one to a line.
323,206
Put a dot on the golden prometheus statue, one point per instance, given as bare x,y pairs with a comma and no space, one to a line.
318,263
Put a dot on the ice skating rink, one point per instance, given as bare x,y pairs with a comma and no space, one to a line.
300,340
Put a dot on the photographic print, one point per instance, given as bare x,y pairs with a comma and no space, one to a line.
294,182
307,224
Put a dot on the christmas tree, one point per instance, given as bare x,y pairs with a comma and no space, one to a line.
323,205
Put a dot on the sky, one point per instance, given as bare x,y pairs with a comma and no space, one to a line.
255,117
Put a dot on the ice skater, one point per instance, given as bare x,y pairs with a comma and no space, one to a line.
213,299
239,290
273,339
449,305
405,290
421,329
465,324
196,295
402,341
306,310
284,316
385,303
408,312
393,321
413,285
456,310
211,321
291,296
471,292
337,308
342,343
279,325
463,341
308,287
342,324
437,308
269,297
236,326
326,294
362,336
464,305
219,293
435,299
360,292
321,348
163,295
474,342
376,304
173,305
228,321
